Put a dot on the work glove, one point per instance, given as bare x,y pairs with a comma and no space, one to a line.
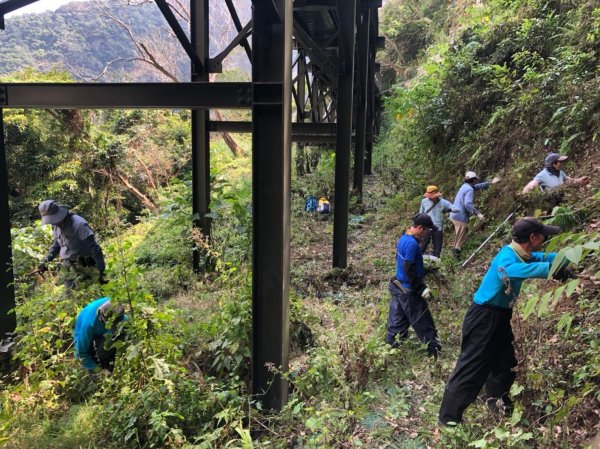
426,293
564,274
480,216
41,268
496,180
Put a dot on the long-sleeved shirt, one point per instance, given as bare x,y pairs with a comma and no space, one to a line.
509,268
74,238
409,262
437,212
87,327
463,201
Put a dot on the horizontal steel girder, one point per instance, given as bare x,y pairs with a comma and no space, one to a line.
310,133
127,95
10,6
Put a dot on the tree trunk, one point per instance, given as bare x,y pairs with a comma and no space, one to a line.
236,149
139,195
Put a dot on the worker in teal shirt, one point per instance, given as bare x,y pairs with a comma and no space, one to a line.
91,334
487,353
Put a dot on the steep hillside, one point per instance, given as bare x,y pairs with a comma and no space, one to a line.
83,37
489,86
520,80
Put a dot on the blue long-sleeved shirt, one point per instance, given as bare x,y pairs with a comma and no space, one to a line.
409,262
463,202
437,212
74,238
508,264
88,326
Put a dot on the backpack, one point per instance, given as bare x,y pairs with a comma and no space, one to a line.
311,204
323,206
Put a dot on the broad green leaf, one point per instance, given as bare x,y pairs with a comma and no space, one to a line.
571,286
516,416
516,389
543,308
574,254
528,309
479,443
558,261
558,292
565,323
312,423
525,437
594,246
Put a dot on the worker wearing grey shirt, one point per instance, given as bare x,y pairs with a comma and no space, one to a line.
552,176
74,240
434,205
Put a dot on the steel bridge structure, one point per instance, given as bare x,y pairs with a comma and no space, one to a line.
317,56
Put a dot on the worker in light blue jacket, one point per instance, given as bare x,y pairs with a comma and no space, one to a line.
487,353
435,206
92,333
463,203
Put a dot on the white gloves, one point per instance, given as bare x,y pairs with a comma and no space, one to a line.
426,293
480,216
495,180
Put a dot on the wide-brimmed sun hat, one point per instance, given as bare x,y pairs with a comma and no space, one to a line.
52,212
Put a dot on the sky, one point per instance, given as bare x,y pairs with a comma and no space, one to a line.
41,6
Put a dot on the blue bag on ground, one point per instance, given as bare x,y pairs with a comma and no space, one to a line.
311,204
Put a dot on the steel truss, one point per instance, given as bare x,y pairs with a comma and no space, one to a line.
320,54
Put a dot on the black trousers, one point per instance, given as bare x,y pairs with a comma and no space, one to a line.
410,310
102,356
487,357
437,237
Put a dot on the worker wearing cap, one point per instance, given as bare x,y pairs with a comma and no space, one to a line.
552,176
74,241
408,306
463,203
91,334
434,205
487,353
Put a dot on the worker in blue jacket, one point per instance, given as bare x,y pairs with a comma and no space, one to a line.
464,208
408,306
487,353
92,333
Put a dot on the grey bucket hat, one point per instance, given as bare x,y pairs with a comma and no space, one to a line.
52,212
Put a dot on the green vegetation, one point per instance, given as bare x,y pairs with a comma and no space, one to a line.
490,88
86,37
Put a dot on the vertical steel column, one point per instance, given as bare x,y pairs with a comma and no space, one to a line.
364,21
374,31
301,106
346,10
271,168
7,291
301,155
199,34
370,114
